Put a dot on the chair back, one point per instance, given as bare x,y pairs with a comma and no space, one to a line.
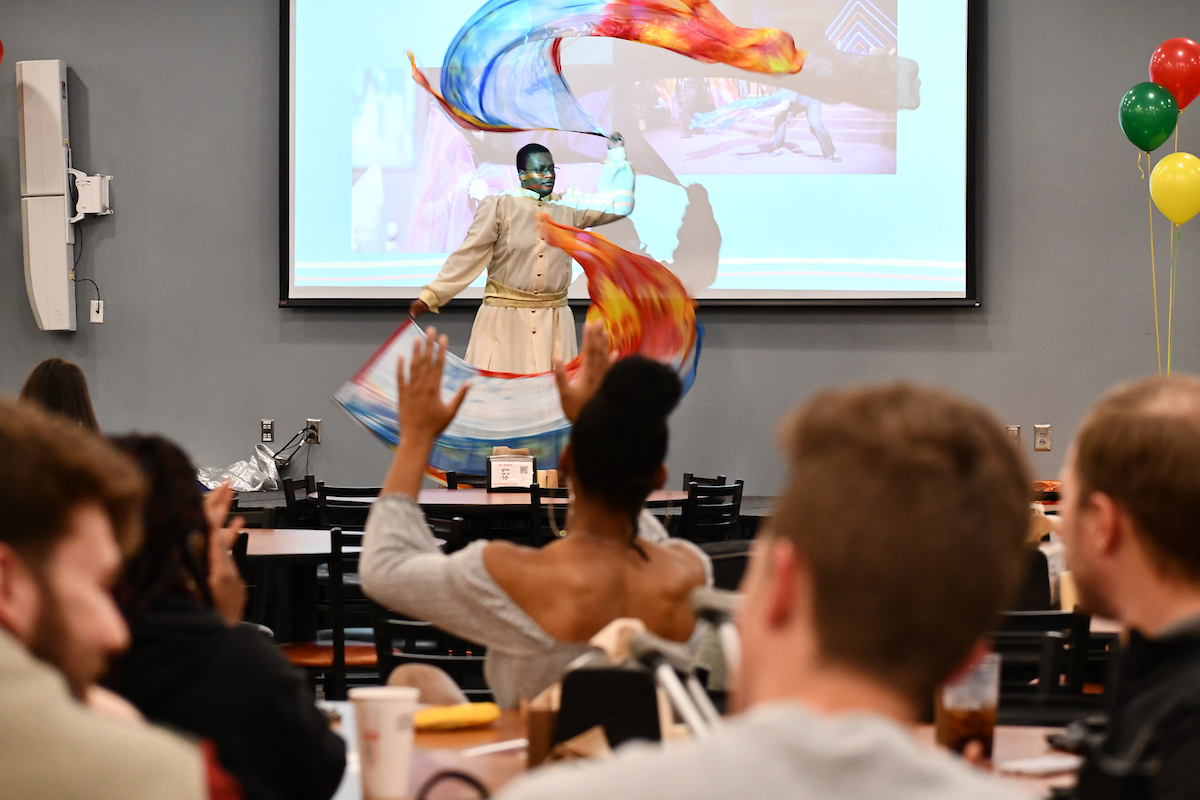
452,530
402,640
463,480
1035,591
344,550
711,512
346,507
1075,629
689,479
298,507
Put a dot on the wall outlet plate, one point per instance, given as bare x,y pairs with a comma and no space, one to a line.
314,437
97,312
1015,432
1041,437
268,430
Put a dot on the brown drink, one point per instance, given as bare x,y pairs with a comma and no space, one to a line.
956,728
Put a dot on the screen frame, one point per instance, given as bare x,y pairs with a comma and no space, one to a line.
976,41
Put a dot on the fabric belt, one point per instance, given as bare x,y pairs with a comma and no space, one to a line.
497,294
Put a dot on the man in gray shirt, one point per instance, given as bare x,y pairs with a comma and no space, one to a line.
898,537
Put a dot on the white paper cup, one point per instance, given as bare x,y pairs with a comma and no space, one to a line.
385,738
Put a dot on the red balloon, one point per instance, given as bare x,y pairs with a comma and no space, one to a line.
1176,65
1,51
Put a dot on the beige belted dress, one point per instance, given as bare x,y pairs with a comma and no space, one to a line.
524,321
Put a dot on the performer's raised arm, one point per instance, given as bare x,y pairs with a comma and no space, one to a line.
464,264
614,196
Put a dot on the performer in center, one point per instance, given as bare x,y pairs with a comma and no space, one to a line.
524,322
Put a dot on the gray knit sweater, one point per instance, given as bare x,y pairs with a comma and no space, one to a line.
403,568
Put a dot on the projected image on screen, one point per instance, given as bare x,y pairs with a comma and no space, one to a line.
844,181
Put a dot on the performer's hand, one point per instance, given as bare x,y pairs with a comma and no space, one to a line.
595,359
616,140
417,308
423,414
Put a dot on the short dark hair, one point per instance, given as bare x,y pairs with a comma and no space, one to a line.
525,152
911,507
620,438
1140,445
48,467
58,385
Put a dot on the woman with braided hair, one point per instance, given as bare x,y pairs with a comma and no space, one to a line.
536,609
192,666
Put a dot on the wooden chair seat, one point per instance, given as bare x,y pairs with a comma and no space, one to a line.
317,656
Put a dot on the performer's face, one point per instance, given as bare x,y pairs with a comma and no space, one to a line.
538,175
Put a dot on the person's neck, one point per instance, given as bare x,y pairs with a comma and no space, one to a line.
835,690
1155,602
591,519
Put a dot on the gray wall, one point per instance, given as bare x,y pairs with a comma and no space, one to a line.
179,102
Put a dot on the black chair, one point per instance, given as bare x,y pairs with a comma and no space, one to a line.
300,510
711,511
545,518
1043,663
452,530
401,640
346,507
729,561
330,660
462,480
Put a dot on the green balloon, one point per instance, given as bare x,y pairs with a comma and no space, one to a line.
1148,115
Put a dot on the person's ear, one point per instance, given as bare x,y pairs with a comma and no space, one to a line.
20,599
1106,524
660,476
789,584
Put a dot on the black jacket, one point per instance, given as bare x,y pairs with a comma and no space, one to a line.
188,670
1150,749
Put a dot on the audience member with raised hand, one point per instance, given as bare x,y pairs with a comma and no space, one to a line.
72,505
1130,505
899,536
59,386
192,665
536,609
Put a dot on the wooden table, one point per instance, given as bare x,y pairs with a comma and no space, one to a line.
473,500
1014,742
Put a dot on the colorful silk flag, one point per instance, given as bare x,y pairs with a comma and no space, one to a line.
644,307
503,70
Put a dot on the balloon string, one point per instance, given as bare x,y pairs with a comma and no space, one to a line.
1140,154
1171,302
1154,284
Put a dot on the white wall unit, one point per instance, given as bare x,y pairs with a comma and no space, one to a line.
44,144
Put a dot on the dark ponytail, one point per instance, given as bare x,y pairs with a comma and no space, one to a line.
620,438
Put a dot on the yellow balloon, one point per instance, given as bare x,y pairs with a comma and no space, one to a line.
1175,187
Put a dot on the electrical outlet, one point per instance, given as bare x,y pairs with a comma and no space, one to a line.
97,312
1015,432
268,430
314,435
1041,437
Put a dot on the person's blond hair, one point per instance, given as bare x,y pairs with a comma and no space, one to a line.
1140,445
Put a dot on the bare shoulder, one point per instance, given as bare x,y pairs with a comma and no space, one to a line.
508,562
684,562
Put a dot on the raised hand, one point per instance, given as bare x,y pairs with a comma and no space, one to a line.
595,359
423,415
417,308
224,578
